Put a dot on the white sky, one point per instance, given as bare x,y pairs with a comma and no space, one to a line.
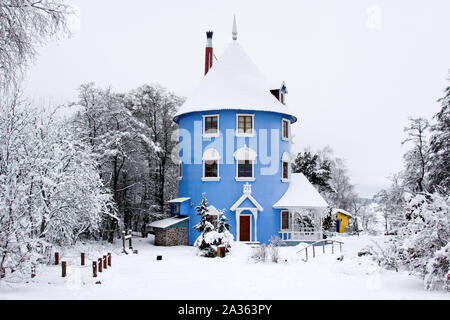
355,70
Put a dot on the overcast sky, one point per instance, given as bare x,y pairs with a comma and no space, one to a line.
355,70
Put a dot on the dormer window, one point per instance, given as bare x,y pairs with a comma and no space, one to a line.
211,125
279,91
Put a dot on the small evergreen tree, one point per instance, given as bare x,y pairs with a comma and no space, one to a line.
213,234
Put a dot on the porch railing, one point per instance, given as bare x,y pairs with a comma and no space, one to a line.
302,234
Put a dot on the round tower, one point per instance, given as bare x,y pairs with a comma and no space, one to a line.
234,145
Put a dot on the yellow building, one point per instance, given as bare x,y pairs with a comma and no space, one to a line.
342,218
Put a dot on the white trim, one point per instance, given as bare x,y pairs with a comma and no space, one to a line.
237,125
244,197
210,135
211,154
289,130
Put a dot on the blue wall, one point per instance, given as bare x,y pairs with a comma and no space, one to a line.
266,189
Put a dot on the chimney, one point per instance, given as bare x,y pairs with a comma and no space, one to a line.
208,52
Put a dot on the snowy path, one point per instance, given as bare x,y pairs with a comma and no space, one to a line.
183,275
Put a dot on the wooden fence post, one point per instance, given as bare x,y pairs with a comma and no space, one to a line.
131,236
306,251
109,259
63,268
332,247
105,263
94,269
100,269
323,246
56,258
340,247
82,258
123,241
314,251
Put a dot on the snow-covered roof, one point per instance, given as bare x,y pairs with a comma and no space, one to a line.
234,82
165,223
341,211
245,153
300,194
178,200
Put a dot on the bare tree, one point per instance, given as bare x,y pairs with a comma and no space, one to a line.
24,24
416,159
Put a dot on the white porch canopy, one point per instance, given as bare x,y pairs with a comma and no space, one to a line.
302,197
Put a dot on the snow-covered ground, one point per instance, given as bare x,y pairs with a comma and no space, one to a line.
183,275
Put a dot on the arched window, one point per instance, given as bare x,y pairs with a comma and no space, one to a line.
285,160
211,159
245,164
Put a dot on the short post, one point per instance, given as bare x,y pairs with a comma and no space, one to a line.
131,236
56,258
123,242
94,269
100,269
340,247
109,259
63,268
314,251
306,251
332,247
323,246
105,263
82,259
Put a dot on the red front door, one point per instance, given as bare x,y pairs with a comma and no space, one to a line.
244,228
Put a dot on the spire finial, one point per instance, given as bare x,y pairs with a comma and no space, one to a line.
234,32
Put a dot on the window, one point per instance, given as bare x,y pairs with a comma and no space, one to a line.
210,169
284,220
285,170
211,125
180,170
211,159
245,169
245,125
175,208
285,160
285,129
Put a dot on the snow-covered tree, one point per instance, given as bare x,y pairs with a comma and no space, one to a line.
24,25
214,232
439,164
318,171
417,158
50,189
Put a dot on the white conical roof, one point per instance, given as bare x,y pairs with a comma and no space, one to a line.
234,82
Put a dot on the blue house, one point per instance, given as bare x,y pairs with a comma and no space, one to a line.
235,146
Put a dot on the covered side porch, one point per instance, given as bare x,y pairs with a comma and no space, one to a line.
301,211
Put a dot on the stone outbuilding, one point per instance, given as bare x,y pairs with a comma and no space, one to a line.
171,231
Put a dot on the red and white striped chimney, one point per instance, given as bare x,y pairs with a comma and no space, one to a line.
208,52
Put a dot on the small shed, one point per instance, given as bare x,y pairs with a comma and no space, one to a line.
172,231
342,218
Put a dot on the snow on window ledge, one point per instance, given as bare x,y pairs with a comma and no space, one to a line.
210,178
244,178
